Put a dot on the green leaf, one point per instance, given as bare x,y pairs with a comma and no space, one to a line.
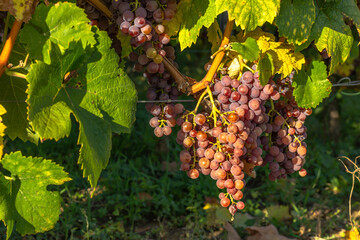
190,17
13,99
278,212
350,10
222,215
24,199
296,19
101,97
214,35
266,69
249,14
59,24
249,49
126,47
331,33
311,86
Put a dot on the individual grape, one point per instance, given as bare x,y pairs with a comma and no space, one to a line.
158,15
222,195
301,150
268,89
302,172
185,156
153,67
123,7
124,27
225,202
143,59
279,120
188,142
139,22
141,12
240,205
169,13
154,122
226,165
201,136
243,89
233,117
151,53
167,130
232,209
293,147
151,6
134,31
235,96
128,16
200,119
237,195
158,132
239,184
219,157
164,38
186,127
204,163
229,183
274,151
209,153
221,173
226,81
235,170
193,173
254,104
247,77
158,58
155,110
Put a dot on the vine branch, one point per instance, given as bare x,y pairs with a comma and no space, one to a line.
101,7
215,64
9,44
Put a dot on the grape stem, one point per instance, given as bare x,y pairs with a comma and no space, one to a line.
215,64
9,44
213,106
101,7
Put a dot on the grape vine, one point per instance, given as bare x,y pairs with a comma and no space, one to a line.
259,86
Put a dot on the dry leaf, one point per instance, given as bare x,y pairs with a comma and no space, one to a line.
352,234
265,233
232,233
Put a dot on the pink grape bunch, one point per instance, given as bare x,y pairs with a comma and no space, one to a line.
285,146
143,22
240,139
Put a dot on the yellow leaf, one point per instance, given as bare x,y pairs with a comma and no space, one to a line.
234,68
353,234
214,36
21,9
2,129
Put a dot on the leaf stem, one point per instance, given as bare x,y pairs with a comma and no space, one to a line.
215,64
9,44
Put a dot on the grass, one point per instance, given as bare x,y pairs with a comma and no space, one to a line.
143,195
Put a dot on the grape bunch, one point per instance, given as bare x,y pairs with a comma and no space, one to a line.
142,20
243,127
285,145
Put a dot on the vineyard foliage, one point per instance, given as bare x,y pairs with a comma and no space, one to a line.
65,68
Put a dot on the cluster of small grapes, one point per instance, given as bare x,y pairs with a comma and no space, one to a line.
285,145
142,20
232,145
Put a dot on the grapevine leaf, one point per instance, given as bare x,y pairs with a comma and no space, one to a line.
214,35
101,97
126,47
21,9
13,99
2,129
331,33
311,86
283,55
190,17
266,69
24,199
249,50
295,20
350,10
249,14
60,24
